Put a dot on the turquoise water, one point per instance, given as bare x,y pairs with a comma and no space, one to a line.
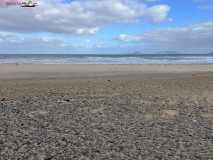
106,59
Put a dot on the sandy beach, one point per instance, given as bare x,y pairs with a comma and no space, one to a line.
106,112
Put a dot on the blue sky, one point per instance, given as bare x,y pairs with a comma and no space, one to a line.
107,27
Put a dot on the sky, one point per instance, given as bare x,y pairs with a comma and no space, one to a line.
107,27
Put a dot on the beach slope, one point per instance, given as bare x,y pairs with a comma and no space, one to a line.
106,111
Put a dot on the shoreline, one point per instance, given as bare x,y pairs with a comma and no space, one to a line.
106,64
35,71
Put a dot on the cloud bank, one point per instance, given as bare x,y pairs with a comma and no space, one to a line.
194,37
78,18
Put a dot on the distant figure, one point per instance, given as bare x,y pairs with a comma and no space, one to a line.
17,64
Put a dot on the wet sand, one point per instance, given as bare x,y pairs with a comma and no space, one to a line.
106,112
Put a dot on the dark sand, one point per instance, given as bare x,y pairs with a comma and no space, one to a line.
106,112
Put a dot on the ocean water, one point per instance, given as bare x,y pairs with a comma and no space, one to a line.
106,59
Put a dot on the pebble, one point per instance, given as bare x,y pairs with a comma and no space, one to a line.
27,143
3,99
48,157
67,100
96,150
39,142
16,149
159,157
84,153
63,139
1,142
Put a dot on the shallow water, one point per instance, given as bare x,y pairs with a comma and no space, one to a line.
106,59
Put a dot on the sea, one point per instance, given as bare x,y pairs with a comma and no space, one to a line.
67,59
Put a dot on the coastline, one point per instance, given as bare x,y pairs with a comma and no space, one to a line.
101,69
67,59
106,111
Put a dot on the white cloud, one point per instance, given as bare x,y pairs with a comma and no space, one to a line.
8,39
153,0
158,13
123,36
13,43
206,7
78,17
185,38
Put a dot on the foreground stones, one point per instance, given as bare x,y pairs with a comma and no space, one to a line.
108,129
130,117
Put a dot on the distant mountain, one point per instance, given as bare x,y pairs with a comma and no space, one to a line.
136,53
167,52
